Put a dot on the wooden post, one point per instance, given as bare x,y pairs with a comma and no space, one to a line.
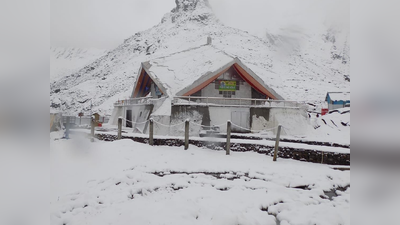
186,134
322,159
119,128
278,134
92,129
151,141
228,137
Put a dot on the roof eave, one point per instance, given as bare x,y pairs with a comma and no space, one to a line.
258,79
146,66
203,78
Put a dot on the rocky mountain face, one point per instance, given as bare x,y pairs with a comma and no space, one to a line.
299,66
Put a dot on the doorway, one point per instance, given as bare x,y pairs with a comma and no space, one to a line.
129,118
242,119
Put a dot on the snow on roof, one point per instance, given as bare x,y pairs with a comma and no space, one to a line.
337,96
179,70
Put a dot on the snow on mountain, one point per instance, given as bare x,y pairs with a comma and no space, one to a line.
298,65
64,61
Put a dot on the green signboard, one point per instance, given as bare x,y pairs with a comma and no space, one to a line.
226,85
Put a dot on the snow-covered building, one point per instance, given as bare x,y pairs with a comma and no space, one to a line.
206,85
337,100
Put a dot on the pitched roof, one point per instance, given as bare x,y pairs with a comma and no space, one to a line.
180,72
338,96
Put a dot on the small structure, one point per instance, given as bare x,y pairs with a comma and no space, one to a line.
96,117
97,120
209,87
337,100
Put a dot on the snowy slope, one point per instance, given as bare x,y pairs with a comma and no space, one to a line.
64,61
298,66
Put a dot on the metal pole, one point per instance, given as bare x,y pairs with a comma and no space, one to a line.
151,141
186,134
228,138
278,134
119,128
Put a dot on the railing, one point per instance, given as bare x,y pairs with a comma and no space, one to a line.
134,101
192,100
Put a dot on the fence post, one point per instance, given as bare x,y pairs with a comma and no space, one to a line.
322,159
119,128
186,134
228,138
92,129
151,141
278,134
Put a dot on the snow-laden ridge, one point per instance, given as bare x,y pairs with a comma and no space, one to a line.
298,66
64,61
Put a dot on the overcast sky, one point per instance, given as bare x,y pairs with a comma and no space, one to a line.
105,24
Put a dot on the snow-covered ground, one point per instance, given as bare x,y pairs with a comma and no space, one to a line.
124,182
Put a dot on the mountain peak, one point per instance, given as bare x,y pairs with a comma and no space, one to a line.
190,10
189,5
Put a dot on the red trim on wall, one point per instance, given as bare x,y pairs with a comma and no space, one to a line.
246,76
253,82
139,82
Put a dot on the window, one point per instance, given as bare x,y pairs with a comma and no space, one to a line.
228,94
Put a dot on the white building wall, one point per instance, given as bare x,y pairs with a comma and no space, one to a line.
334,106
220,115
116,113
